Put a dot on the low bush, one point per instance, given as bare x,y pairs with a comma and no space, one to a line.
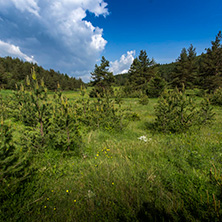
216,97
176,112
14,163
144,100
100,92
155,86
101,113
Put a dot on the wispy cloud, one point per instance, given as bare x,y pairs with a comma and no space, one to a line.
55,32
14,51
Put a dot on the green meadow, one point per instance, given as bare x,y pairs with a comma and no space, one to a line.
130,174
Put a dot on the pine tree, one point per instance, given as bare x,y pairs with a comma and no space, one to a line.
135,80
102,79
186,68
176,112
211,66
155,86
141,71
192,66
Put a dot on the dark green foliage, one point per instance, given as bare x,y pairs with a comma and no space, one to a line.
176,112
121,79
165,71
24,108
3,108
50,123
132,116
185,69
14,163
216,97
64,130
206,114
203,71
98,91
140,72
144,99
34,105
101,113
102,79
118,95
14,71
155,86
211,66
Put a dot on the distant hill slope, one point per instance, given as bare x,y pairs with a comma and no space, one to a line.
165,70
14,71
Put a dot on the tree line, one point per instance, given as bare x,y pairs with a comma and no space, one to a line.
14,71
146,76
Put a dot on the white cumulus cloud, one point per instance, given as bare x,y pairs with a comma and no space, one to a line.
123,64
22,5
13,51
64,40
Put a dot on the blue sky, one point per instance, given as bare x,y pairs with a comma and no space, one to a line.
72,35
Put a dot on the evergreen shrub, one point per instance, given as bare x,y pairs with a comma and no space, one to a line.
155,86
100,92
176,112
144,100
216,97
101,113
14,163
49,122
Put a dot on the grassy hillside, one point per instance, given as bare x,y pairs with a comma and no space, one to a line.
135,174
14,71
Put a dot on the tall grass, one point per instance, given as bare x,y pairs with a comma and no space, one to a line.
118,177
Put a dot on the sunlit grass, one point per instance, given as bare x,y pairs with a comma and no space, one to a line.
119,177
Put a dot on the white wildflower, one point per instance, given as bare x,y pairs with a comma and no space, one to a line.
91,194
144,139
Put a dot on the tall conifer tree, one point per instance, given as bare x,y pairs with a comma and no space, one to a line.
211,66
141,71
186,68
102,78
